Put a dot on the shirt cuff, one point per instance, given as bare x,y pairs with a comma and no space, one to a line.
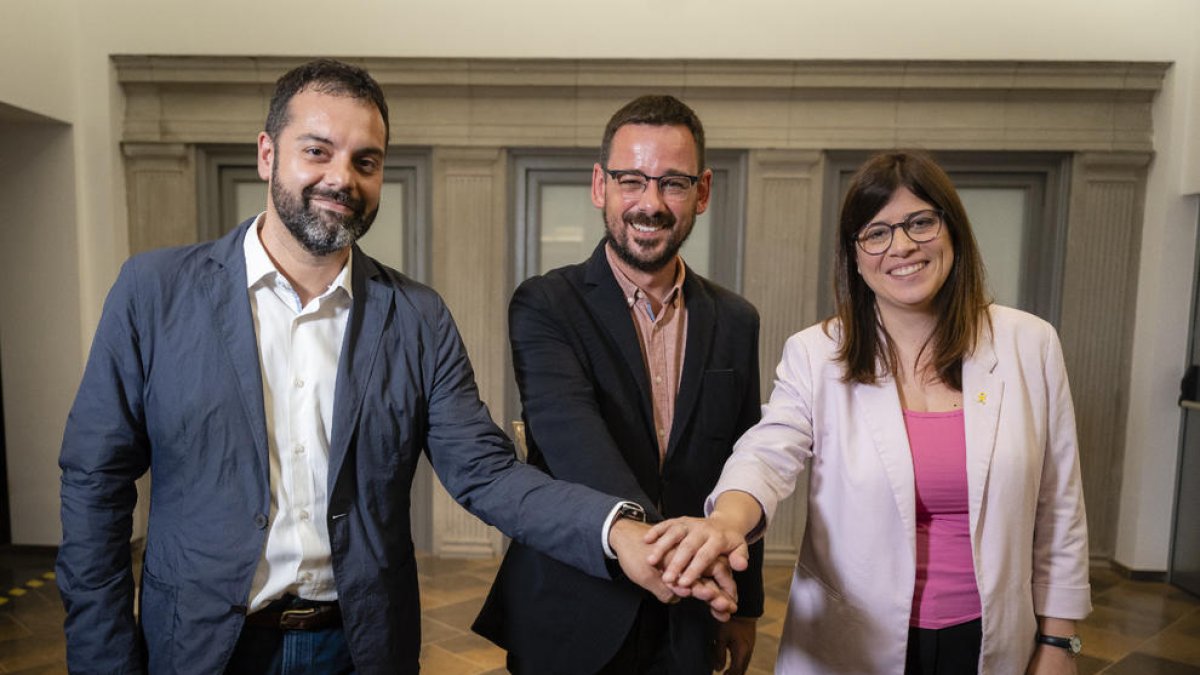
608,523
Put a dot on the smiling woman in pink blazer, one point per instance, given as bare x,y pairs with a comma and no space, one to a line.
946,529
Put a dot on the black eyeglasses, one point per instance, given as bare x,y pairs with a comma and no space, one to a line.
633,184
921,227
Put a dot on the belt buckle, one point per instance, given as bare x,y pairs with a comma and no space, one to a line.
296,619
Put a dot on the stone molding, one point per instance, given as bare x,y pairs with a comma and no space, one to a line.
999,105
785,115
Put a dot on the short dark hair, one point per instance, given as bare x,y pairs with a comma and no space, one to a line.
655,110
961,303
326,76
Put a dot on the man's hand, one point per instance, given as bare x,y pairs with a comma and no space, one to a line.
687,547
735,637
626,539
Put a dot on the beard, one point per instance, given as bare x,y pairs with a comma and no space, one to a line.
620,233
318,231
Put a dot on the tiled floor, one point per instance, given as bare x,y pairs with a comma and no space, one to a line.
1137,628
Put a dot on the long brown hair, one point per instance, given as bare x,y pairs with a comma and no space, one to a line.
866,349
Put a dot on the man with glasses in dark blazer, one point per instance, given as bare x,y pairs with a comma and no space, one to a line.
636,376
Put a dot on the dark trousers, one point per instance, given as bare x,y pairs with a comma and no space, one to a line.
272,651
646,649
953,650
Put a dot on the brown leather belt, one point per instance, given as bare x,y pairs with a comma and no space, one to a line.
318,617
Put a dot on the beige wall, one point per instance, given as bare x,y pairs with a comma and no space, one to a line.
38,53
1159,30
39,317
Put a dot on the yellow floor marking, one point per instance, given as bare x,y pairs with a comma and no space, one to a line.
17,592
34,583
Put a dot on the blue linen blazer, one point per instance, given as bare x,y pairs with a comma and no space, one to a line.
173,386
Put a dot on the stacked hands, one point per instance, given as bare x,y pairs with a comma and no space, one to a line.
683,557
696,558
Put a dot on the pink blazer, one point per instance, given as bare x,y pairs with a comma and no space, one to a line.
851,592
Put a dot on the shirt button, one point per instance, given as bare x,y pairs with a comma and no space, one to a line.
658,379
299,383
304,515
260,520
306,577
661,432
299,449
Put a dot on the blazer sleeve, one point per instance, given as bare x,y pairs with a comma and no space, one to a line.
477,464
105,449
750,581
767,459
1060,545
560,401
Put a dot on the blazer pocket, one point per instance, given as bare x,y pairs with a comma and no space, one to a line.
803,572
157,618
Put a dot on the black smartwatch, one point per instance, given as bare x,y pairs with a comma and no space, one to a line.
1071,643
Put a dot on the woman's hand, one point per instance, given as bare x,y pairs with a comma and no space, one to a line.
686,547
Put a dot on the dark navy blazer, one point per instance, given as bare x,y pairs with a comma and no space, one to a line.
173,386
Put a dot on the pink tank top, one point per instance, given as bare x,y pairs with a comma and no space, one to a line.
945,592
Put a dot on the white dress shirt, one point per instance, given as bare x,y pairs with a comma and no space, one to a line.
298,349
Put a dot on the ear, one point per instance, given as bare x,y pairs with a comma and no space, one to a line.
266,156
599,185
703,191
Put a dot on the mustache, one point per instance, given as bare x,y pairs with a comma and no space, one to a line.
342,197
664,219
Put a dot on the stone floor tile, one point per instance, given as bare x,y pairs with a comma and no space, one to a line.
1088,665
1177,643
460,615
433,630
1106,645
438,661
11,629
475,649
1144,664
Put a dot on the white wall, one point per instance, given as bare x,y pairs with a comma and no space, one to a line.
1110,30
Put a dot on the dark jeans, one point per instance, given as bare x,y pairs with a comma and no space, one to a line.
271,651
953,650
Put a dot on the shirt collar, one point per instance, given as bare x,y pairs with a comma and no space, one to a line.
259,267
632,291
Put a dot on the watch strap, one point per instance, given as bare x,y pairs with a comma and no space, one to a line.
1071,643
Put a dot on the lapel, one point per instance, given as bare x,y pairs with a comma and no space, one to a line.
983,392
369,312
879,408
224,281
700,326
605,300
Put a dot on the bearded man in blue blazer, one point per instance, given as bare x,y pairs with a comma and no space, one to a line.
280,385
